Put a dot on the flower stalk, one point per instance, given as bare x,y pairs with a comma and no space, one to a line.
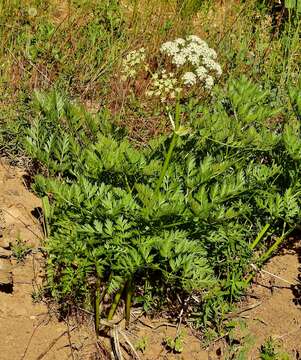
171,146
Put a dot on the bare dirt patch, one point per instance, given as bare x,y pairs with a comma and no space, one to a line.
28,331
271,310
279,314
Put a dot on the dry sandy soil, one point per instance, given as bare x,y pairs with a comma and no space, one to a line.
31,331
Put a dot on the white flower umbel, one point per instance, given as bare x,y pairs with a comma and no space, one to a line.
170,48
201,72
214,66
189,78
194,54
194,62
132,62
179,59
164,86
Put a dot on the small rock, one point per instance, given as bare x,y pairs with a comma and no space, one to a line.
5,253
6,279
5,265
4,243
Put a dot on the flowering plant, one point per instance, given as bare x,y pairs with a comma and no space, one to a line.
190,61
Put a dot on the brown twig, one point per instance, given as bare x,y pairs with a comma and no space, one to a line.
158,326
30,339
114,335
69,338
22,222
237,313
130,344
44,353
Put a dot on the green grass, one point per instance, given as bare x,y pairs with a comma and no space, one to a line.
270,350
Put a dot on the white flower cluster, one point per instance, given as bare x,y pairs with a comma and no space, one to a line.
164,86
194,52
189,78
131,62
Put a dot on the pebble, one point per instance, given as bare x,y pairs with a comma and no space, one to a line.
4,253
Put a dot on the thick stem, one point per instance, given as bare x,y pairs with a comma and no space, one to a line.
270,251
115,303
97,306
166,161
264,257
128,302
47,212
171,147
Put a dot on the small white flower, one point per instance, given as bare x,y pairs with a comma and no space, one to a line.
194,59
179,59
180,41
212,53
131,61
169,48
189,78
218,69
201,72
194,38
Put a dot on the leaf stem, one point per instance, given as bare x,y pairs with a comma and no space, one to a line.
128,302
259,236
97,306
115,302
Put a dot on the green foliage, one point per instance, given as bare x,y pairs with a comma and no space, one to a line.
45,44
110,226
20,250
293,4
142,343
270,351
175,344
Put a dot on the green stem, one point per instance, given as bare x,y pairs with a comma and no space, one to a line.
134,16
115,303
128,302
171,148
127,184
259,236
166,161
47,214
264,257
97,306
270,251
98,300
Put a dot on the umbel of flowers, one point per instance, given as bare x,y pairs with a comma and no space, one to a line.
194,65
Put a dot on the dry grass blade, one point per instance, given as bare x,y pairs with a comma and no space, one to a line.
130,344
114,334
44,353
